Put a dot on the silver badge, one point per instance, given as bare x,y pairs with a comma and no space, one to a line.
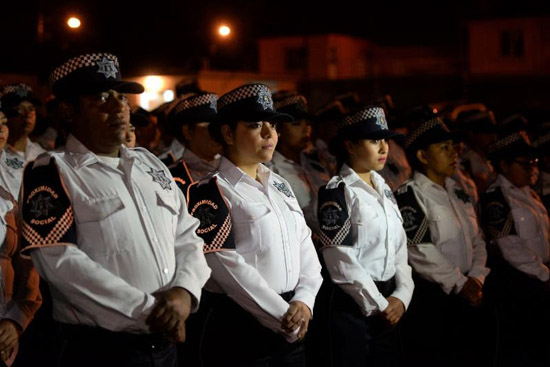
160,178
107,67
381,121
264,98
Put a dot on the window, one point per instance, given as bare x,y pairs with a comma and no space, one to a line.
295,58
511,43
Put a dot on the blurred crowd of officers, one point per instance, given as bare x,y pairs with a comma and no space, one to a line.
245,230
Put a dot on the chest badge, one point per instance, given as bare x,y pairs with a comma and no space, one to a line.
160,177
463,196
390,196
281,186
14,163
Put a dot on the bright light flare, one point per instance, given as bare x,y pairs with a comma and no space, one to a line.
153,83
73,22
224,31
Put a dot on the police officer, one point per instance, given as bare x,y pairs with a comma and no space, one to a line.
446,251
364,248
191,117
109,231
265,272
295,158
516,223
11,165
542,143
19,105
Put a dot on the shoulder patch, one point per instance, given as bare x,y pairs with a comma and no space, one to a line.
47,213
414,219
496,215
333,217
181,175
207,204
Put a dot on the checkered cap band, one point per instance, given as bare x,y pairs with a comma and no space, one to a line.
192,102
246,91
542,140
423,129
298,100
79,62
22,90
508,140
365,114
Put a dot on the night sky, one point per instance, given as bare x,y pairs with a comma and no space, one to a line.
173,35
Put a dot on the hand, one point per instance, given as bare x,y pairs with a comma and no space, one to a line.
170,312
9,336
394,311
472,292
297,316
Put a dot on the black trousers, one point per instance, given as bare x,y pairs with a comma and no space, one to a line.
230,336
85,346
341,336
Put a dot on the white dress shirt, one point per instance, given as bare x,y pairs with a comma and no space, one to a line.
11,172
274,252
397,169
175,151
134,237
305,179
379,249
529,249
198,168
32,151
457,250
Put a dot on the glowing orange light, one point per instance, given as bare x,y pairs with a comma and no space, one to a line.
435,111
224,31
73,22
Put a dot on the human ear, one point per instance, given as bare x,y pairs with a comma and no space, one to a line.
227,135
421,156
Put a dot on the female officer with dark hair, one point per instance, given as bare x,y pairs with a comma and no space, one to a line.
446,250
265,272
517,226
364,248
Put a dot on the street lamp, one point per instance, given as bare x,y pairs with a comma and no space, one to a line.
73,22
224,31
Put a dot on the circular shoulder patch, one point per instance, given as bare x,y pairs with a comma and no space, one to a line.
495,213
410,218
205,212
331,216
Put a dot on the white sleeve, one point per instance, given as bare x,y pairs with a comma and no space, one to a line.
520,256
349,274
479,269
310,269
192,272
403,273
106,299
431,265
246,286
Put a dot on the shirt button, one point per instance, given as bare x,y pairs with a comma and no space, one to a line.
165,270
155,239
522,219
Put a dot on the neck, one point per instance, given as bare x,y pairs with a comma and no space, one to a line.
250,169
367,177
289,153
19,144
437,178
204,157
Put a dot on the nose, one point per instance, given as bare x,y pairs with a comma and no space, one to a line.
267,130
383,146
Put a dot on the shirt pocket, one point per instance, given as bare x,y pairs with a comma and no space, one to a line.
168,210
295,222
526,224
102,226
365,226
253,227
443,225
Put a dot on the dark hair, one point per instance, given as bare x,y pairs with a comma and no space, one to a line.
215,130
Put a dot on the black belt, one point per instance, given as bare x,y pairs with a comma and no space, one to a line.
97,335
386,287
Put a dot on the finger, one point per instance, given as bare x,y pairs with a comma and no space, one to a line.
303,329
158,310
292,310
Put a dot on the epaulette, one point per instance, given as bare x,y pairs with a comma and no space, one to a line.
333,216
414,219
181,175
207,204
496,215
46,210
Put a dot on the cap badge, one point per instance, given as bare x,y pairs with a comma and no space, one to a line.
107,67
265,100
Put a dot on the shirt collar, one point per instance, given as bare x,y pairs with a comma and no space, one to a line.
230,172
425,183
350,177
81,156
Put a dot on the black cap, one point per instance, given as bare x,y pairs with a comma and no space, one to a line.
367,123
12,95
195,108
542,143
293,104
90,73
511,145
477,121
429,132
250,102
140,117
332,111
